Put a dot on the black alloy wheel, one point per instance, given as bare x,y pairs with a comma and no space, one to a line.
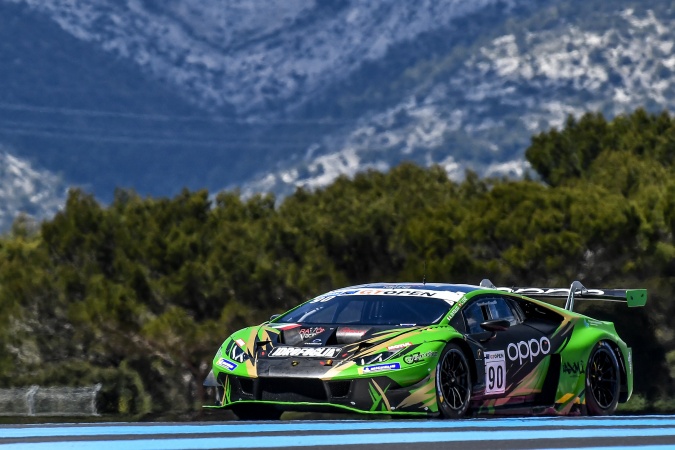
453,382
603,381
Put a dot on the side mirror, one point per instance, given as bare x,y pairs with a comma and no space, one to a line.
274,316
495,325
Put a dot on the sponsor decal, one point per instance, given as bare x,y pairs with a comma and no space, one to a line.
308,333
399,346
322,298
229,365
457,306
448,296
402,292
418,357
575,368
495,372
491,356
240,343
314,342
525,350
382,367
380,357
305,352
354,332
284,326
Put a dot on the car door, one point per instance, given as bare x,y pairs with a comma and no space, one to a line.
512,357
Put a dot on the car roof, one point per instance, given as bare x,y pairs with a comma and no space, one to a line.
417,285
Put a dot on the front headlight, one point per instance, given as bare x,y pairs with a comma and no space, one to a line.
237,351
374,359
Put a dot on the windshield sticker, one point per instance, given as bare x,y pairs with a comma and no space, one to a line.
304,352
382,367
448,296
322,298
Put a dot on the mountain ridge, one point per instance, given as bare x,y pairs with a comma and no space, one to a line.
261,96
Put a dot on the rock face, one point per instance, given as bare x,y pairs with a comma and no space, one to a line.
35,193
268,96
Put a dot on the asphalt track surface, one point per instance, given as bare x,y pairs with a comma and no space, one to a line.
624,432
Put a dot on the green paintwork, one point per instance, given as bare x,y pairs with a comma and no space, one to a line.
415,392
636,297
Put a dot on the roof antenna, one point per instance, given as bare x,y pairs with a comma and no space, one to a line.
424,277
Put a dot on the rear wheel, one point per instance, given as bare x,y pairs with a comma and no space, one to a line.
453,382
256,412
602,381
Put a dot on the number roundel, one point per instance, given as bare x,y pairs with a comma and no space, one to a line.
495,372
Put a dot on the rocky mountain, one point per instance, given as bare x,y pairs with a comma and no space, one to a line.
23,189
264,95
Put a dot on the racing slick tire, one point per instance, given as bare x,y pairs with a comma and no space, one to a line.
603,380
256,412
453,383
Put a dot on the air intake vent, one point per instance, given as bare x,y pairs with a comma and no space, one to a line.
292,390
246,386
339,389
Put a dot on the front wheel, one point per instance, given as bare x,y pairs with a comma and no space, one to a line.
602,381
453,382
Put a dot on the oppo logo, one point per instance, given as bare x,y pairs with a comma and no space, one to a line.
528,350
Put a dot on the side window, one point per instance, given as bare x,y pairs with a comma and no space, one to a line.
488,308
500,309
474,314
350,313
324,315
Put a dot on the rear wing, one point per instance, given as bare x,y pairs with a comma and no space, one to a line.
577,291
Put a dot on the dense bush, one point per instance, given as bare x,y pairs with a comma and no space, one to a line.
139,294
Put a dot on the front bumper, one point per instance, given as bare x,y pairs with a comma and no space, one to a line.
380,394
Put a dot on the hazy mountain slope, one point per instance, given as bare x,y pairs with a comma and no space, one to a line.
482,110
75,109
251,54
266,95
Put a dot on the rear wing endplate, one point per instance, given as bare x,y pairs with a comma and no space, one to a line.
577,291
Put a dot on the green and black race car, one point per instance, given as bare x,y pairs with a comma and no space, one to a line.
429,349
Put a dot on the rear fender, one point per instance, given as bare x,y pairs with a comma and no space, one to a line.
574,359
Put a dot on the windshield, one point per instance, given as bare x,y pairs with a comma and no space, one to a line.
369,310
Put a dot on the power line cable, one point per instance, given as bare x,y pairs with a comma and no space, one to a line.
155,133
168,117
224,144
